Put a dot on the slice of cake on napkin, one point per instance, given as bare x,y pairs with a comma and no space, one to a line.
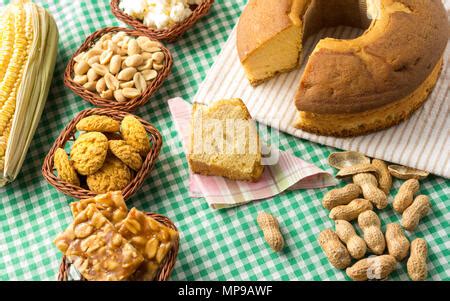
224,141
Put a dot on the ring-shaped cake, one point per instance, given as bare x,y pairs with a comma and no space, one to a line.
349,87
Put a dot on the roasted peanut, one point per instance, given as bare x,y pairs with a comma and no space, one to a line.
118,95
369,186
334,249
396,241
149,74
412,215
92,75
139,82
129,84
90,86
158,67
94,60
83,230
81,68
108,94
115,64
158,57
271,229
341,196
417,262
146,55
356,246
93,52
151,248
80,79
147,65
111,82
384,177
131,93
351,211
370,224
100,86
405,195
133,47
127,74
134,60
376,267
100,69
148,45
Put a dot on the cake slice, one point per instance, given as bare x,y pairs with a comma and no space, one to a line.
269,41
224,141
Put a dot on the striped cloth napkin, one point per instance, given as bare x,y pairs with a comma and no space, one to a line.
421,142
290,173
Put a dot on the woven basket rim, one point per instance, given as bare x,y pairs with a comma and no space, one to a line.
98,101
165,270
170,34
68,133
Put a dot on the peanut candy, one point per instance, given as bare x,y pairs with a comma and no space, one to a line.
93,246
111,205
151,238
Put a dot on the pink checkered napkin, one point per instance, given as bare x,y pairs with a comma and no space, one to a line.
290,173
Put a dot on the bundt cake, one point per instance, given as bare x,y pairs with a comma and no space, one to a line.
349,87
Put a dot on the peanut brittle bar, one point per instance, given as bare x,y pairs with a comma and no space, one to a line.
111,205
96,249
151,238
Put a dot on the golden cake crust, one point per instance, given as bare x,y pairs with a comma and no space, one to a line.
350,125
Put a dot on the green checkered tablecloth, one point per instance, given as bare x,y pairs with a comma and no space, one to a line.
215,245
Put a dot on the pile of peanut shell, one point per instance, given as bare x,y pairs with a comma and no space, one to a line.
357,201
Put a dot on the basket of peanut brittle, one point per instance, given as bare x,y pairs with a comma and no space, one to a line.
109,150
169,26
106,242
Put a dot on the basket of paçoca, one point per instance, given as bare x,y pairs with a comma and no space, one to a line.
168,20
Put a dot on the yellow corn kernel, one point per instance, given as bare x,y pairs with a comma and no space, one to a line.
2,25
7,42
7,112
18,56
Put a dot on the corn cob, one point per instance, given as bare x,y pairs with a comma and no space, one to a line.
28,46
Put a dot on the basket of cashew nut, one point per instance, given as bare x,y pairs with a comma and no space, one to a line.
106,242
358,201
118,68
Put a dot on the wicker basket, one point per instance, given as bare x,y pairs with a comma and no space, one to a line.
163,273
170,34
69,134
98,101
